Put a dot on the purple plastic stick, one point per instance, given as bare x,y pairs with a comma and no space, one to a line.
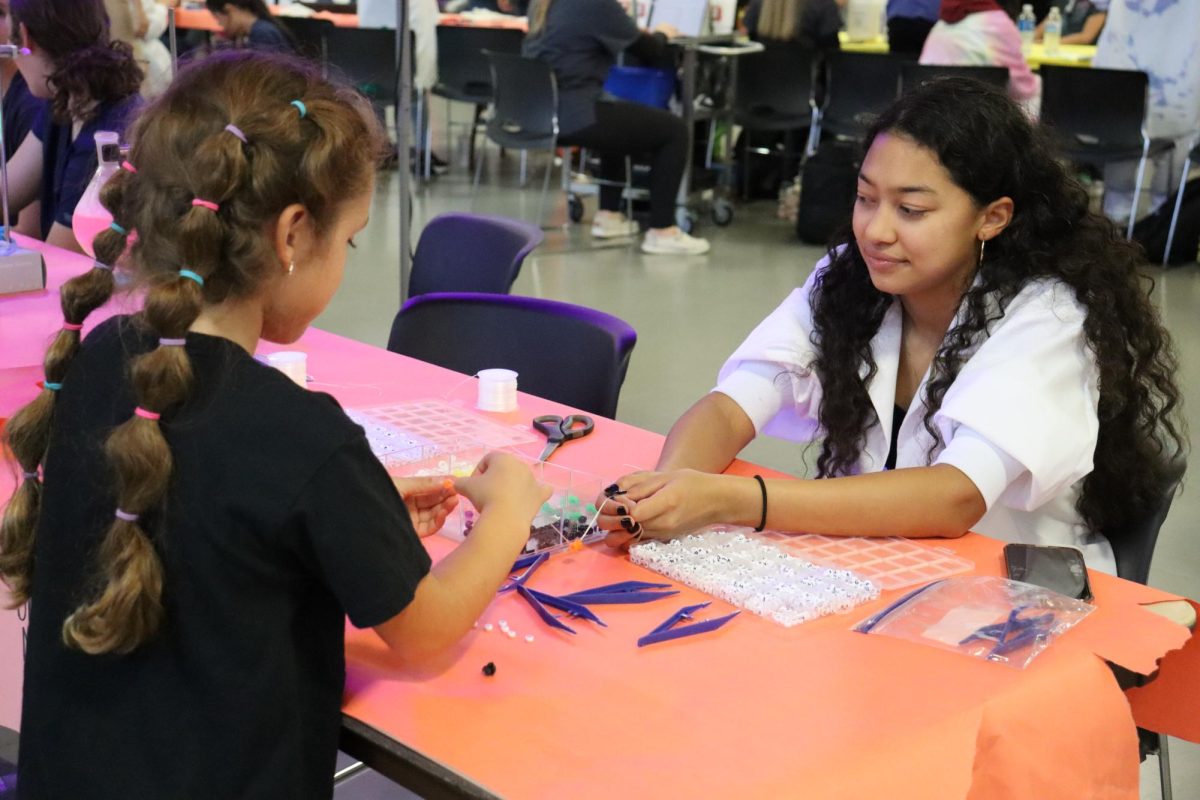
685,630
546,616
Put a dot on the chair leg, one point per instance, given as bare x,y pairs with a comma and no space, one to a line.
1187,167
475,183
745,163
418,141
524,167
428,151
1137,189
1164,768
449,135
545,185
628,188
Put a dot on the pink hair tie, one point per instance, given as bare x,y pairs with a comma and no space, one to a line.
71,326
236,131
125,165
209,204
126,516
144,414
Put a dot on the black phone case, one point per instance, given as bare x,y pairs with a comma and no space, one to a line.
1060,569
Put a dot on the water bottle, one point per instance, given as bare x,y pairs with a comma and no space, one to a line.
1052,33
90,216
1026,23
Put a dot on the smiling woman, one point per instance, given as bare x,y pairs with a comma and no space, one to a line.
980,353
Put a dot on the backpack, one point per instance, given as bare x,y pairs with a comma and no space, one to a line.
1151,231
828,182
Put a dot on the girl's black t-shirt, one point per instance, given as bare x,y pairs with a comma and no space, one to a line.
278,523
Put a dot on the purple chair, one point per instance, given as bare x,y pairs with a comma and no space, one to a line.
563,352
471,253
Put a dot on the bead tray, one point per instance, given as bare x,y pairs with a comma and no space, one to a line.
889,563
401,428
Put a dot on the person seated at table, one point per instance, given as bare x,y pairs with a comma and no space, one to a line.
978,353
580,40
91,85
1082,21
251,23
980,32
908,23
813,23
20,110
201,525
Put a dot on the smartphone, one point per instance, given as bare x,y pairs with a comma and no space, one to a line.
1061,569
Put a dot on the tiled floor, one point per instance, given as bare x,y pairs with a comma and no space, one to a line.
690,313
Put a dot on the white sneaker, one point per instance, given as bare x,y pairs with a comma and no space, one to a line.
681,244
614,227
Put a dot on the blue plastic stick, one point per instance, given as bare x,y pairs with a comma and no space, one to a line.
623,586
685,630
619,597
546,616
683,613
562,604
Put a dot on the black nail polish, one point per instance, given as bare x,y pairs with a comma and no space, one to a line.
627,524
611,489
621,511
637,529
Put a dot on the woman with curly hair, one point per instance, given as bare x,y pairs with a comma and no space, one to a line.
980,353
92,85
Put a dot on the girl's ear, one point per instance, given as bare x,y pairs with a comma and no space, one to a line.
293,231
995,218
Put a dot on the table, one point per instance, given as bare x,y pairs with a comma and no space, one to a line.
752,710
201,19
1069,55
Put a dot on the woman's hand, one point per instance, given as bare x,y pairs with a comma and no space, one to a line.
660,505
429,501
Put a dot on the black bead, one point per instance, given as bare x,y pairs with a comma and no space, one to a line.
489,669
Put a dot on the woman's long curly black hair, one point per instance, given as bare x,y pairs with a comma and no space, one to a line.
991,150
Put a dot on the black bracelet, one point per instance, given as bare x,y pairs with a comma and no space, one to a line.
762,485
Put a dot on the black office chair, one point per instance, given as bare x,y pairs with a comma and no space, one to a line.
774,93
471,253
859,86
570,354
523,113
913,74
463,72
311,36
1133,546
1099,117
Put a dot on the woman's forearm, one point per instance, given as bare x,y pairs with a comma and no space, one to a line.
708,436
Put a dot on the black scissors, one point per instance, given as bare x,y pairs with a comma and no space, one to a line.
562,429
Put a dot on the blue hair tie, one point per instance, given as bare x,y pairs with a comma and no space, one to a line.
303,109
101,265
118,229
191,276
54,387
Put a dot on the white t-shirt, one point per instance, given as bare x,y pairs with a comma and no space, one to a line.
1020,420
422,20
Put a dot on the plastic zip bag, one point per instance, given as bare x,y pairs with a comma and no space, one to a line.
986,617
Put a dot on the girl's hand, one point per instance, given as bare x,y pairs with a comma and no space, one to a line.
502,481
660,505
429,501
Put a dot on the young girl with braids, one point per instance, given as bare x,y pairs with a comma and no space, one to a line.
193,528
980,353
92,85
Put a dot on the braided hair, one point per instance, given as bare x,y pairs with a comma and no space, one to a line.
235,140
991,150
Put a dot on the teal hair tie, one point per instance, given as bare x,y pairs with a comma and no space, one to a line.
54,387
191,276
303,109
118,229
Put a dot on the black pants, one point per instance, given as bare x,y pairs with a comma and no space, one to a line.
630,129
907,34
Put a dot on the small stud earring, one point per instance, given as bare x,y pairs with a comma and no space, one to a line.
291,267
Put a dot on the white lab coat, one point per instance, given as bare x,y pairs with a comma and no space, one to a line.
1020,420
151,54
422,19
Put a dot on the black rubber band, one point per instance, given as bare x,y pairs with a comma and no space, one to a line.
762,485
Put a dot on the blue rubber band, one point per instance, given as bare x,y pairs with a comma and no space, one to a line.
118,229
303,109
191,276
101,265
54,387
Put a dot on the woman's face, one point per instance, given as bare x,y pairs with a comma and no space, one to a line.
35,66
917,230
233,21
5,23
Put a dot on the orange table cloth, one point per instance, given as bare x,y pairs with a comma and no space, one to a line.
201,19
752,710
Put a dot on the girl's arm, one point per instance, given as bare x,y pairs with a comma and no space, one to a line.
25,174
939,500
708,436
62,236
